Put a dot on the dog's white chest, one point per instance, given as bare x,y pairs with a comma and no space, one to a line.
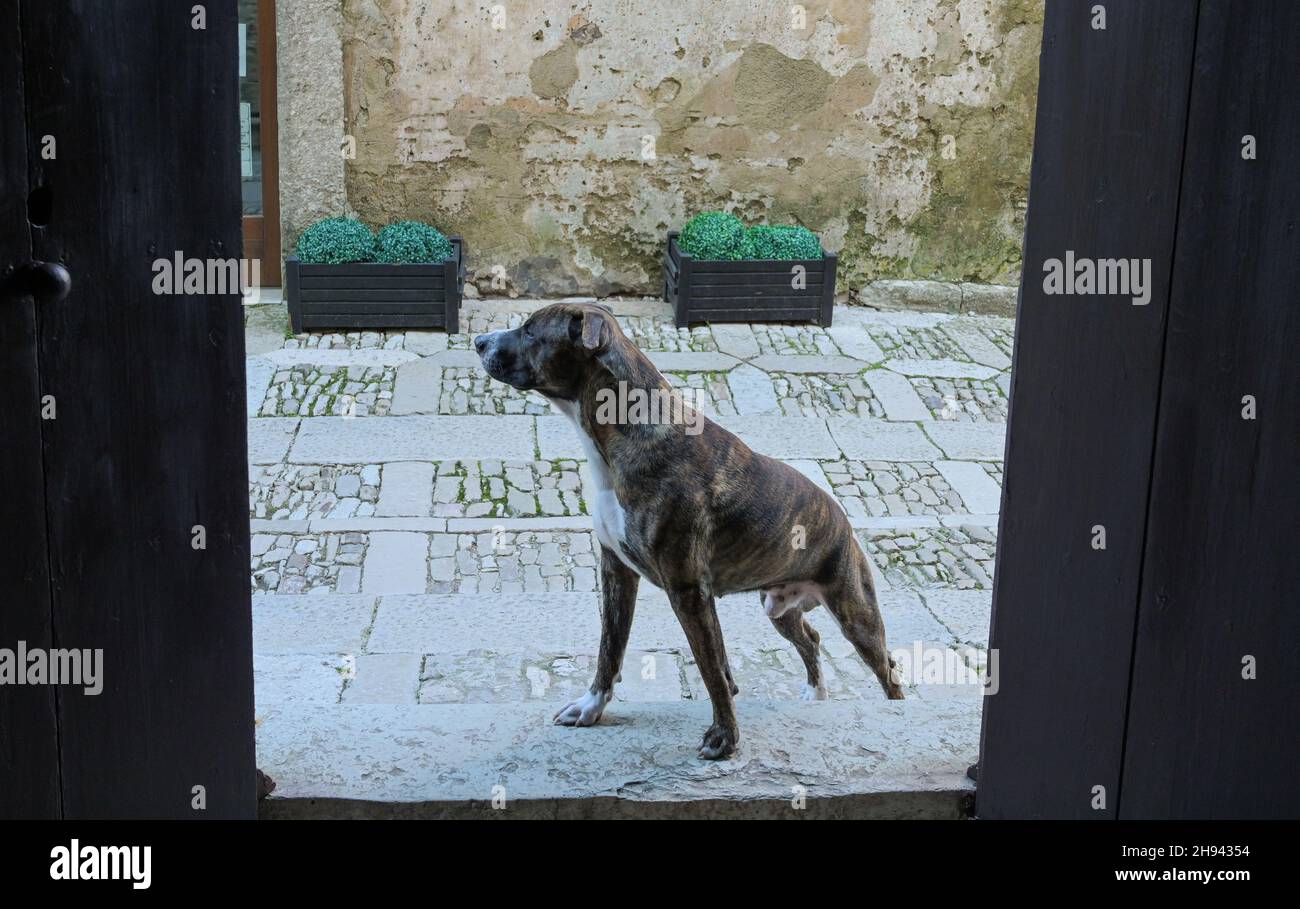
607,516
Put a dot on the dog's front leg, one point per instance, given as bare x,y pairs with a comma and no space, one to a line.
694,608
618,585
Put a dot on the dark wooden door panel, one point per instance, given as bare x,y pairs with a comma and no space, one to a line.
1108,147
1225,503
29,760
150,439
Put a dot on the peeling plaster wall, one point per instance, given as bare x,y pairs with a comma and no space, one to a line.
898,130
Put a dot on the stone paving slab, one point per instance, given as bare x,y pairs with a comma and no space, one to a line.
299,678
258,372
340,356
896,395
418,387
751,391
372,524
912,754
265,323
854,341
269,438
558,438
986,521
548,622
265,525
870,317
427,343
311,623
966,613
666,361
807,364
969,441
976,345
325,440
550,522
783,437
396,562
735,339
384,678
943,369
405,489
876,440
980,493
456,359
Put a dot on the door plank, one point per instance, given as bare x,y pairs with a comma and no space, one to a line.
150,439
29,759
1104,183
1217,584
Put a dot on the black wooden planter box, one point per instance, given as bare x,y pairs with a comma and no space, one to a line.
373,295
747,290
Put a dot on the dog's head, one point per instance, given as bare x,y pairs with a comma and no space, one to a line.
556,350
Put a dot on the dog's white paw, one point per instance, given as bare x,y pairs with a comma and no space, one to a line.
585,711
813,694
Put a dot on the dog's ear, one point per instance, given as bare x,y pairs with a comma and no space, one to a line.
596,332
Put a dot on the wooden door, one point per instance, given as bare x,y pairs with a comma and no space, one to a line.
136,483
259,138
1144,547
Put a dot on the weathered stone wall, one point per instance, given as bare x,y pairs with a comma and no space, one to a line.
309,73
898,131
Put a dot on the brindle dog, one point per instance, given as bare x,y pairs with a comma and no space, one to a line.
689,507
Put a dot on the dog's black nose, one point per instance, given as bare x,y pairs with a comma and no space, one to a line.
480,342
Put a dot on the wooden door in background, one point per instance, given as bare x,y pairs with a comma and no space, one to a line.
259,138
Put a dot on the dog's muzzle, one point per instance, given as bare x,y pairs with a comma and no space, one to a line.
499,360
487,346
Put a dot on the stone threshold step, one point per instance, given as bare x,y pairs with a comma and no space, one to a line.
869,759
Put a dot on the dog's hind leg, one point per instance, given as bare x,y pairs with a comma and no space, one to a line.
851,599
795,629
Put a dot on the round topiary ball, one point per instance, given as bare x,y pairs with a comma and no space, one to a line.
784,242
336,240
714,235
411,242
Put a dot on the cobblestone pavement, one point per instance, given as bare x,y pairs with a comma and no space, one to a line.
468,390
421,533
962,399
319,391
819,395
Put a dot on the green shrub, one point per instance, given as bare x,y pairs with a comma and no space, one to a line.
714,235
411,242
783,243
336,240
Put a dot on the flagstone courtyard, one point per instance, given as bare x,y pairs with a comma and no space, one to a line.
425,576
